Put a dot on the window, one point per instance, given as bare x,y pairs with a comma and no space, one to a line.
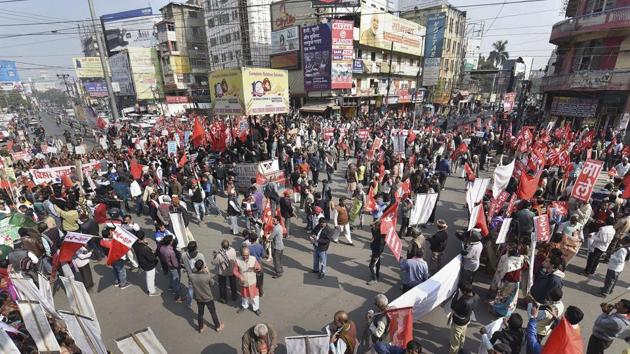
211,23
230,56
373,56
193,14
173,45
170,27
450,25
385,56
595,6
448,45
588,55
213,41
215,59
399,60
223,57
360,54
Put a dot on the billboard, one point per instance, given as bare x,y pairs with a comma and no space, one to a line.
96,89
8,71
473,49
133,28
335,3
574,106
357,66
285,40
431,71
380,30
316,57
341,45
285,61
289,13
145,71
121,74
249,91
88,67
436,24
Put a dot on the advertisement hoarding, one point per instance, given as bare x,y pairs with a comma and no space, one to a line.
249,91
473,49
431,71
88,67
335,3
121,74
341,45
285,61
133,28
8,71
316,57
145,72
96,89
436,24
380,29
357,66
574,106
289,13
285,40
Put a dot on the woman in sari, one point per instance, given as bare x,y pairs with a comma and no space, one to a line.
572,238
507,280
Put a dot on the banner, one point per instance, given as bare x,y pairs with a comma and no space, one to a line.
79,300
505,227
27,291
140,342
476,193
130,29
492,327
313,344
38,327
400,326
363,134
85,333
501,178
393,242
179,229
71,244
316,41
45,289
341,46
422,208
430,294
384,31
583,187
285,40
46,175
542,227
497,204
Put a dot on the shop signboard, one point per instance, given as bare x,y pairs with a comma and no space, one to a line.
357,66
133,28
380,30
88,67
96,89
316,41
342,38
436,25
574,106
431,71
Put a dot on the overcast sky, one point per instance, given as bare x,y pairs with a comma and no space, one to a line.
526,27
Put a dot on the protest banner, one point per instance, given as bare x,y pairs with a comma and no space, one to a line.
71,244
27,291
422,208
430,294
6,343
38,327
363,134
583,187
312,344
400,325
393,242
46,175
79,300
501,178
140,342
496,204
122,241
505,226
542,227
45,289
475,194
491,327
85,332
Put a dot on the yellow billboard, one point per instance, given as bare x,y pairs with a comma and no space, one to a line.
249,91
88,67
180,64
145,72
380,30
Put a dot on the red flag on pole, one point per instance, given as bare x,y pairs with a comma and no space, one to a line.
626,188
67,181
135,169
393,242
527,186
370,204
481,222
470,175
198,133
565,338
389,218
182,162
71,244
121,242
400,326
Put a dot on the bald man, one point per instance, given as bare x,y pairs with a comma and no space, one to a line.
343,334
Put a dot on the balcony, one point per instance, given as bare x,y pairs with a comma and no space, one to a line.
613,19
593,80
166,36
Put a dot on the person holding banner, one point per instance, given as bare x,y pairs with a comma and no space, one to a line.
465,301
437,244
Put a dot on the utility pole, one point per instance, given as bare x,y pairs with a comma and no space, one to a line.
101,52
389,76
65,77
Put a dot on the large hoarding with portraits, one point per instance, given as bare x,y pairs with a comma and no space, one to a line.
436,24
316,42
145,71
380,30
88,67
8,71
342,45
335,3
133,28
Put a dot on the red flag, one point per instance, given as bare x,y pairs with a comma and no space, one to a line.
527,185
182,162
135,169
370,204
400,326
389,218
218,136
198,133
393,242
411,136
626,186
625,151
511,205
10,144
71,244
470,175
120,244
67,181
586,142
542,228
497,204
462,148
564,339
481,222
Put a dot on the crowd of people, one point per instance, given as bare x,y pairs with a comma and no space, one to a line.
130,174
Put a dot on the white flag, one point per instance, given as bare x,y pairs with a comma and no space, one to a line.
422,208
501,178
505,226
475,194
79,300
313,344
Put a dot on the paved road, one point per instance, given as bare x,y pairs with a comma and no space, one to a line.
299,303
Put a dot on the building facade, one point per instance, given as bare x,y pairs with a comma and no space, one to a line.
589,81
183,51
446,33
238,33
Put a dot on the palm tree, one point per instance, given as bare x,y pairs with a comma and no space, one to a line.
499,55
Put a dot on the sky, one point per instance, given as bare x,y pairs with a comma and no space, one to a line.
526,27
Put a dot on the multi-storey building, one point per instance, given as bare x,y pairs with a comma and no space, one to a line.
238,32
589,81
183,51
87,36
446,31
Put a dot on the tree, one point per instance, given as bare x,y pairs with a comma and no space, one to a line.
499,54
54,96
13,99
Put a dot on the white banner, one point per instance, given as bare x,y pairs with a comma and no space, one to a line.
501,178
475,194
314,344
179,229
473,216
45,175
141,342
38,327
85,333
505,226
27,290
423,208
6,344
45,289
430,294
492,327
79,299
124,237
76,237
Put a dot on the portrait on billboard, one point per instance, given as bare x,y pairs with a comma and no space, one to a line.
372,35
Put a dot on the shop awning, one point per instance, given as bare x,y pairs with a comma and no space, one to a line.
315,108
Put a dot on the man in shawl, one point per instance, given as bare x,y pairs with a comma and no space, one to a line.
245,270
